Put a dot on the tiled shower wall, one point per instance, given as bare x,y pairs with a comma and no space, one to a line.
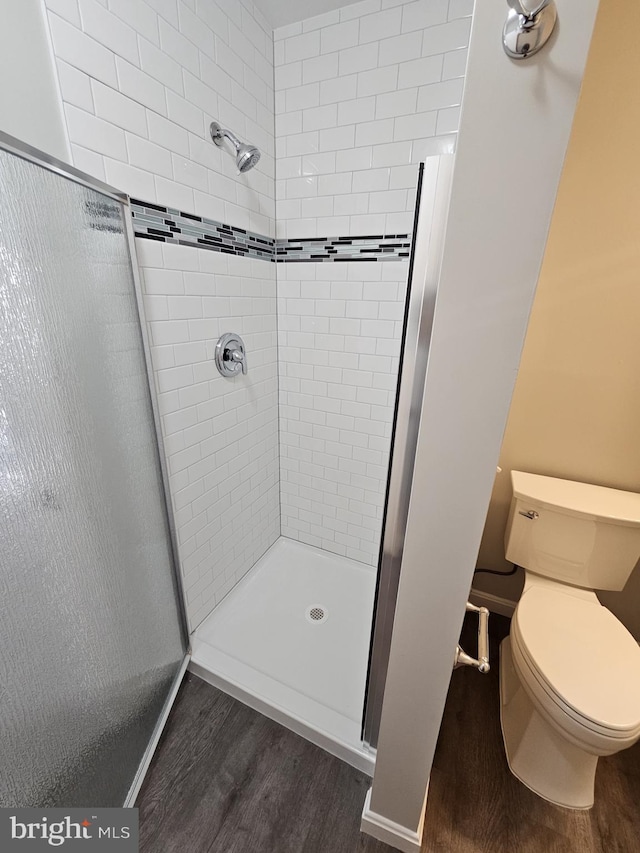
141,81
339,328
363,95
220,434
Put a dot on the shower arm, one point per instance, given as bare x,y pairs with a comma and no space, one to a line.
219,133
246,155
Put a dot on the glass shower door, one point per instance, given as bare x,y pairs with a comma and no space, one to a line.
91,637
432,203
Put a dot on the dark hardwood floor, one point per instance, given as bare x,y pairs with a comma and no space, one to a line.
475,804
227,780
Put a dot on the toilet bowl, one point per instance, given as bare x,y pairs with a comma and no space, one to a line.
569,670
570,692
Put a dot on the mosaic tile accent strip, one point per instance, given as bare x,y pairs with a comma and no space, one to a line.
377,247
168,225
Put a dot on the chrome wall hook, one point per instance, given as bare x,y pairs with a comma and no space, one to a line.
528,27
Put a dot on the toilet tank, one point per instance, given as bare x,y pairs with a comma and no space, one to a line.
575,533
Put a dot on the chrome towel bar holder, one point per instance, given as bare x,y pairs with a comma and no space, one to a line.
481,663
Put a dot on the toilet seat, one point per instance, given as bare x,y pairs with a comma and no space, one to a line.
574,653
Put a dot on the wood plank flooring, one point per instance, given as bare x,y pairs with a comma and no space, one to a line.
227,780
475,804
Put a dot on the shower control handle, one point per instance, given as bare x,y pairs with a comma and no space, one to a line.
237,356
231,355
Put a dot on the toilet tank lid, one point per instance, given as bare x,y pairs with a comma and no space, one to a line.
584,499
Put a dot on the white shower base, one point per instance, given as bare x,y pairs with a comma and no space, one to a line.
260,646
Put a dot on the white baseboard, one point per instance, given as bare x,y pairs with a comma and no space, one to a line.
495,603
389,832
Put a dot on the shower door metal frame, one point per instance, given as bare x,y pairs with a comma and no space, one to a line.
21,149
432,204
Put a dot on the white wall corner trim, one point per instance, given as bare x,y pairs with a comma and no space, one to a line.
512,113
30,99
388,831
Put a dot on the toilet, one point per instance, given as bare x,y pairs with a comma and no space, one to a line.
569,670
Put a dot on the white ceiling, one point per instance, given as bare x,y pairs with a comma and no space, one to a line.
281,12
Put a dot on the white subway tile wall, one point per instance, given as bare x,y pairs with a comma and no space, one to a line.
220,434
141,81
339,333
363,95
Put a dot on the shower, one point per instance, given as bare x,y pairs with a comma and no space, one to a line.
247,156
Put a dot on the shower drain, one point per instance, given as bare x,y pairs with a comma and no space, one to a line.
316,614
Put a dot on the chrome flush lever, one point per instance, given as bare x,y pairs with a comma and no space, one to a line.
530,513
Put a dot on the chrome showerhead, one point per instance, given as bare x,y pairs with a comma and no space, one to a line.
246,155
246,158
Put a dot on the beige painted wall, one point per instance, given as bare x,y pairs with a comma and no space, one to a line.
576,407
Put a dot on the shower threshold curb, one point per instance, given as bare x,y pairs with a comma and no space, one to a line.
360,758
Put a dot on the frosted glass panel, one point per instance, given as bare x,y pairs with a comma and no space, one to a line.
89,630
